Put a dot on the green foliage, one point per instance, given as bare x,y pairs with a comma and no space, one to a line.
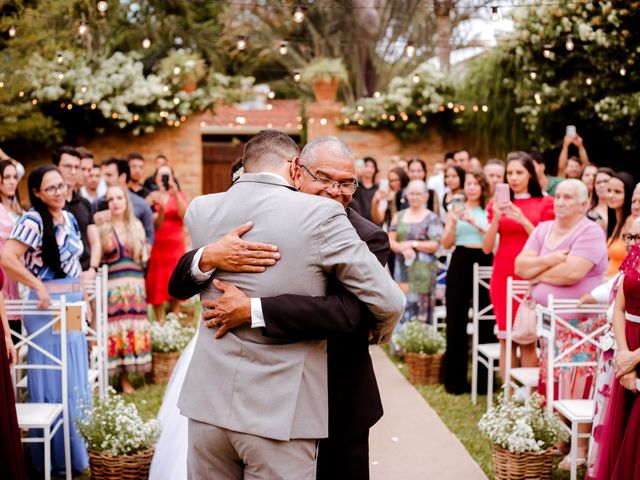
407,106
536,85
418,337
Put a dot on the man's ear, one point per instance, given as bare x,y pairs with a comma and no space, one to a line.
294,171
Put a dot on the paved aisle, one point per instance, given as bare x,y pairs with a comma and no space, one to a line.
410,442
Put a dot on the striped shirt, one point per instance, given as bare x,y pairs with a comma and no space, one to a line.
28,230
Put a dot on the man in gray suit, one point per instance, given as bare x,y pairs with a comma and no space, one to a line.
256,405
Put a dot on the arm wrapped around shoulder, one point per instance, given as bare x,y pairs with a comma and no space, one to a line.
344,254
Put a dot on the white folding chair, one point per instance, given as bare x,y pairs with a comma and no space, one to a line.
49,417
440,311
550,320
96,292
525,376
487,354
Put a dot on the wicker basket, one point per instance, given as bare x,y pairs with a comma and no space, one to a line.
516,466
424,369
163,364
105,466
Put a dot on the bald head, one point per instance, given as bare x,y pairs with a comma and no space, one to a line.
328,145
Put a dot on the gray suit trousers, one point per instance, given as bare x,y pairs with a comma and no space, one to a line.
219,454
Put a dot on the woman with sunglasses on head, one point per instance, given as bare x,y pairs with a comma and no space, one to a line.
43,252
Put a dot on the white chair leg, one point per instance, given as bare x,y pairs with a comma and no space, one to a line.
490,384
574,450
474,380
47,454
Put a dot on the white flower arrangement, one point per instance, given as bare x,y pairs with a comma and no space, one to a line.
115,426
170,336
418,337
520,428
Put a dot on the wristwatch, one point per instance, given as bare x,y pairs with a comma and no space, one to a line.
414,244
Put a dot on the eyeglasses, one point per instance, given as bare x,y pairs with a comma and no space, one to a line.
345,188
55,189
630,238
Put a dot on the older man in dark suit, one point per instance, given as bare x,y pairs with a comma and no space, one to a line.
326,169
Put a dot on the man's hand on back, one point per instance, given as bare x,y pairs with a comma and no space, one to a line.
229,311
233,254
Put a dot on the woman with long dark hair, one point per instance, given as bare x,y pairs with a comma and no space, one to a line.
43,252
599,209
465,229
514,221
620,192
454,181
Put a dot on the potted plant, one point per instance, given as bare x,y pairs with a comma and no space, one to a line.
120,443
324,75
522,437
168,339
183,69
423,348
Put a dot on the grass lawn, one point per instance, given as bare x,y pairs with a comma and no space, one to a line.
461,417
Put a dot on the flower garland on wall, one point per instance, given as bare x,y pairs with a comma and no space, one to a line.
117,89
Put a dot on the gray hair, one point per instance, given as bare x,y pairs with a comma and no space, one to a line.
309,153
637,187
579,186
418,183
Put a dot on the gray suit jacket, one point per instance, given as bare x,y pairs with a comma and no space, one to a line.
276,388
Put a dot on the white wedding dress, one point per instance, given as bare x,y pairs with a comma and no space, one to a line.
170,457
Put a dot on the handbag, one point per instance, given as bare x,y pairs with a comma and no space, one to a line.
525,326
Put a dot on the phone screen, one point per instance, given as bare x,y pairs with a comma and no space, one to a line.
165,181
103,205
503,195
571,131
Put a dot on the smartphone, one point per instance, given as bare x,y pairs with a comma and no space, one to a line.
165,181
103,205
384,185
571,131
457,202
503,194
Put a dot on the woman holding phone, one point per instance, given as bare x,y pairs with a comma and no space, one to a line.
517,207
169,205
465,229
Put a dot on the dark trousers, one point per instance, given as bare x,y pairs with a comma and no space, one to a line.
459,298
344,459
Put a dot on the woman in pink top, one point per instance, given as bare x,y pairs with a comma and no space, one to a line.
567,258
10,211
514,222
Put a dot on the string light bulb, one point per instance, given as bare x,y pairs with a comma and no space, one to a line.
13,30
410,49
298,15
296,76
241,44
83,89
102,6
588,81
83,28
569,45
416,78
623,71
533,74
376,94
271,95
176,100
60,58
547,53
495,14
146,43
60,75
176,69
284,47
485,108
538,98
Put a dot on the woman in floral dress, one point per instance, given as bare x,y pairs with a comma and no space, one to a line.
123,247
415,235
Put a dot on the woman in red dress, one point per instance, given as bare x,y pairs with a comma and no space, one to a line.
514,221
170,205
619,437
11,456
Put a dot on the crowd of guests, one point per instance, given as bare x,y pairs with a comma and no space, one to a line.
84,215
569,235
